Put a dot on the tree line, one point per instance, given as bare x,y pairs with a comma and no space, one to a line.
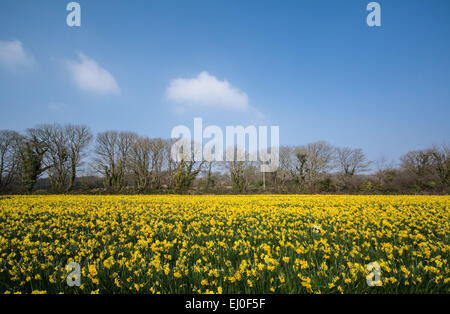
56,158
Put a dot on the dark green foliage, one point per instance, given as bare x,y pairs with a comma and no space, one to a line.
32,154
185,175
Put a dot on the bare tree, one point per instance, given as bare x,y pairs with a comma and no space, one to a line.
146,162
310,162
112,151
351,161
305,164
385,172
140,162
168,164
158,158
418,163
320,157
56,160
125,143
441,164
9,157
78,139
286,166
65,148
239,170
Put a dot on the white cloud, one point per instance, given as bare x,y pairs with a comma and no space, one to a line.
14,57
206,91
91,77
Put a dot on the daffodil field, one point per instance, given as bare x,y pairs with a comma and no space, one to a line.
225,244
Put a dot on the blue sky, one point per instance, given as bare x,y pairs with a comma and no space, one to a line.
314,68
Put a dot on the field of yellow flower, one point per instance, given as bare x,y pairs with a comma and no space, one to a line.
225,244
